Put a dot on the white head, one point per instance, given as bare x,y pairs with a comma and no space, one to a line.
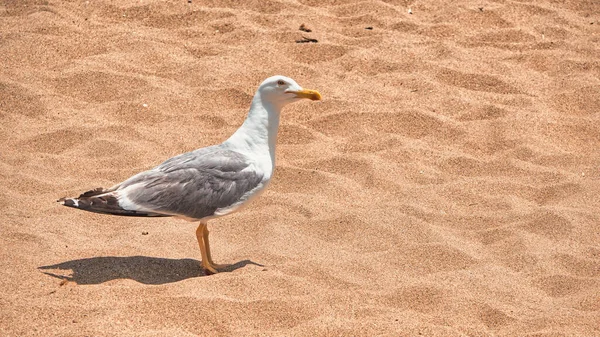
280,91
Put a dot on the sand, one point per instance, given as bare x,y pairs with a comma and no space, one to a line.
447,185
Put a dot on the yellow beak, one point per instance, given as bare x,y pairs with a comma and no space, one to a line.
307,93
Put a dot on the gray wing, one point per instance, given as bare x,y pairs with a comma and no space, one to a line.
193,184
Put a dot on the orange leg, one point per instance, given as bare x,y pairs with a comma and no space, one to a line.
205,261
207,247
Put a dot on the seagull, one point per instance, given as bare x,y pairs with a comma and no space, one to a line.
209,182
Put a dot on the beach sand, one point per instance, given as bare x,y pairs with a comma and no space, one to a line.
447,184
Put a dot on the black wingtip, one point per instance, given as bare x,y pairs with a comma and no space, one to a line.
94,192
67,202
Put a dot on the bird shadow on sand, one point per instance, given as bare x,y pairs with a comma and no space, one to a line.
143,269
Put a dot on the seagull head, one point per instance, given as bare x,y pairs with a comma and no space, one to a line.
280,91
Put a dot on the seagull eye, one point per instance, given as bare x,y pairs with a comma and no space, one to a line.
280,82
